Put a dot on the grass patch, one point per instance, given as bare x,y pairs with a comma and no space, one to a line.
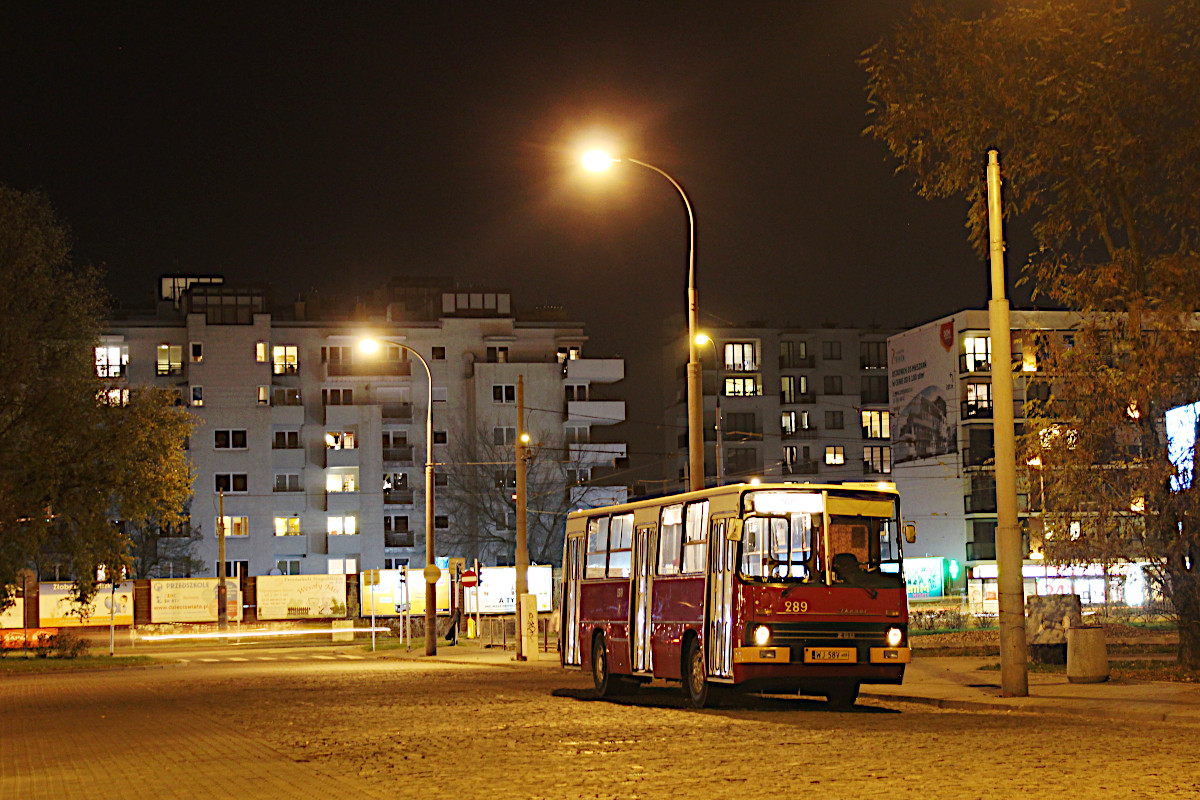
24,664
932,631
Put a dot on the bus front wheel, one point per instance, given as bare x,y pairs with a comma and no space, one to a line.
695,675
842,696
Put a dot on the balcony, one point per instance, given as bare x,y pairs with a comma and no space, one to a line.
341,457
368,369
596,412
399,539
291,415
969,362
596,453
797,362
797,398
398,497
402,456
594,370
979,457
342,502
812,432
318,542
399,413
345,417
809,467
981,551
982,502
976,410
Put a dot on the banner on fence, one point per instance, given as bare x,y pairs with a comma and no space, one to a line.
498,590
390,596
56,609
301,596
192,600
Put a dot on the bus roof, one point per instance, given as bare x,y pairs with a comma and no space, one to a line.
685,497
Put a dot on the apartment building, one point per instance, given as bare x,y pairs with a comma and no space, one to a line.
784,404
309,453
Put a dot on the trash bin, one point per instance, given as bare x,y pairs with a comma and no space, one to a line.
1087,655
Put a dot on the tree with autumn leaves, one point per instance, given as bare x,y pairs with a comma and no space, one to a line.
78,452
1095,108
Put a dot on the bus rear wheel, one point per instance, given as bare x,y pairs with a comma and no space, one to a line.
606,684
695,675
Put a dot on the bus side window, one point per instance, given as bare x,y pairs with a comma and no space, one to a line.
597,547
670,540
695,537
620,547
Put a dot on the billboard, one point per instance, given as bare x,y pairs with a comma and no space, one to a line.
923,370
192,600
14,615
56,609
301,596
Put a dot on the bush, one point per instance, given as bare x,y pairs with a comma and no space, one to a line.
64,644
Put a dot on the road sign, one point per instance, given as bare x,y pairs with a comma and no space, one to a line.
469,579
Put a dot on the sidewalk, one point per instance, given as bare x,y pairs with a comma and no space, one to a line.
959,683
952,683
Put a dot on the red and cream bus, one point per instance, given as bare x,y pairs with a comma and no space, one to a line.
772,587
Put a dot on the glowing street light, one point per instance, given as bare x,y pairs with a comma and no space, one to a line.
432,573
597,160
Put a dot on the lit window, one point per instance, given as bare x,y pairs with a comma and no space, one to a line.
340,440
169,360
260,352
835,454
111,361
342,481
876,424
197,395
737,386
197,352
234,526
877,460
740,357
342,525
287,526
285,359
977,353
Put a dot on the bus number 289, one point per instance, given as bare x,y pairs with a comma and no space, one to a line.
795,606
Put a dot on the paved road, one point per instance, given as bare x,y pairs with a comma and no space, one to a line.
384,728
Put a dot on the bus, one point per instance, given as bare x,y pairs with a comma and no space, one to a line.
776,588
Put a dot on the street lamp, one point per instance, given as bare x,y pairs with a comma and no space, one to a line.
704,338
597,161
432,573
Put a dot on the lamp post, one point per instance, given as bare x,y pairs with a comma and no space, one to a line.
432,573
597,161
704,338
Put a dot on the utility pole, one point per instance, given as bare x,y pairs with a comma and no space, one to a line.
222,590
522,557
1014,654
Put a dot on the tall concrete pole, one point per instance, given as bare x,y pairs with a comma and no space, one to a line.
1014,654
222,589
522,558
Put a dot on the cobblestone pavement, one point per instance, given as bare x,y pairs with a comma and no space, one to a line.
388,728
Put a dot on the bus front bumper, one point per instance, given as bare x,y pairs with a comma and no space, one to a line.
820,655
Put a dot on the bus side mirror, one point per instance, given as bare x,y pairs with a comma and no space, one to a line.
910,532
733,531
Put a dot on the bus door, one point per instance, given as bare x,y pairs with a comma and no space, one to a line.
722,559
639,602
573,573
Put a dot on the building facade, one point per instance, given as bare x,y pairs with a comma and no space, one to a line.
309,453
787,404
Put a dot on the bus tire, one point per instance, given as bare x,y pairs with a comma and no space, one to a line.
695,677
606,684
842,696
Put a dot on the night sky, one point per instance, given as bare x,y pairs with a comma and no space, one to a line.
333,145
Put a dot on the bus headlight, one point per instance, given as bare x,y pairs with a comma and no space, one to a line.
894,637
762,636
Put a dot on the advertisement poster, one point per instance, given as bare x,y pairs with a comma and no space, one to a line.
14,615
192,600
301,596
57,610
923,368
924,577
498,589
390,593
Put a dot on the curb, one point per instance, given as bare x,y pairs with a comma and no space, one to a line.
1038,708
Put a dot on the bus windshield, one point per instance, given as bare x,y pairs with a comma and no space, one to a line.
783,538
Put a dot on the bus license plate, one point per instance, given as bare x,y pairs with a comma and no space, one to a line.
821,655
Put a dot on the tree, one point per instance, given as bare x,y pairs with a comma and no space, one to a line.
1094,109
164,550
77,452
481,477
